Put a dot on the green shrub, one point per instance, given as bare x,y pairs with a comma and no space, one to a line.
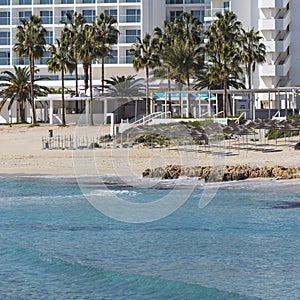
297,146
273,134
150,140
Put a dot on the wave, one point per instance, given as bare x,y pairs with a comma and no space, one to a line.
50,276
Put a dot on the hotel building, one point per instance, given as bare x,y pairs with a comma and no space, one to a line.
276,20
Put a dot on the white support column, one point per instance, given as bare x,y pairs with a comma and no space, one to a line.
51,112
105,108
87,111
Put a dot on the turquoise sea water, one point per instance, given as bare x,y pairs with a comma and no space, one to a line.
55,245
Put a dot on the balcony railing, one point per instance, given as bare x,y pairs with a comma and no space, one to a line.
129,19
127,39
125,59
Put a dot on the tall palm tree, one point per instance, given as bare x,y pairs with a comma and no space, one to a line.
106,36
180,50
17,88
145,56
74,24
31,44
60,60
88,51
253,51
223,51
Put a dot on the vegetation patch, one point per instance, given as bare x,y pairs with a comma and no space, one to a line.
152,140
297,146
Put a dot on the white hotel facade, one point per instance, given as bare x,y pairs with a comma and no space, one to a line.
276,20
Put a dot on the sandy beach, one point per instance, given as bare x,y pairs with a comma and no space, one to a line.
22,152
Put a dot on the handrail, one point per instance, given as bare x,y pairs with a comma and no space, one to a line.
241,115
220,112
277,113
147,119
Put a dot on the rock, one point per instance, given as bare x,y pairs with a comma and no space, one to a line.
225,173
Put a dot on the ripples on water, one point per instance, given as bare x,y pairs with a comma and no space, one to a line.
55,245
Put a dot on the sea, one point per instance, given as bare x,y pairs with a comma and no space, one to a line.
178,239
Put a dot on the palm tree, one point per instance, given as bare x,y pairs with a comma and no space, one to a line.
74,25
106,36
180,50
145,56
17,88
60,60
125,89
89,51
31,44
224,57
253,51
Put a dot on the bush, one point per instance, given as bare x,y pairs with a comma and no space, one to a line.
297,146
277,134
152,140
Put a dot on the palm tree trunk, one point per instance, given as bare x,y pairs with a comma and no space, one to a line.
147,91
91,121
249,77
22,111
63,96
76,82
31,63
225,100
102,76
86,76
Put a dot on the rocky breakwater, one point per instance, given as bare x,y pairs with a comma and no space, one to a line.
224,173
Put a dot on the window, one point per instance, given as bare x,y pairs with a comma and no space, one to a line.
25,14
199,14
4,17
46,16
49,37
133,15
4,38
46,2
4,2
113,58
112,12
174,2
25,2
44,59
175,14
89,15
4,58
129,57
227,5
132,34
67,1
65,12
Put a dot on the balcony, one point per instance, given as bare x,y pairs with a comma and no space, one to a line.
275,24
278,70
129,19
210,14
278,45
127,39
272,3
125,59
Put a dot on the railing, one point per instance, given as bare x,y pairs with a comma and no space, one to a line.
148,119
220,112
243,114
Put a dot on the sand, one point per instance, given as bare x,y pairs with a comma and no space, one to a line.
21,152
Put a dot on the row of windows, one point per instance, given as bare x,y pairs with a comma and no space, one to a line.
30,2
129,37
187,1
195,13
132,15
5,58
